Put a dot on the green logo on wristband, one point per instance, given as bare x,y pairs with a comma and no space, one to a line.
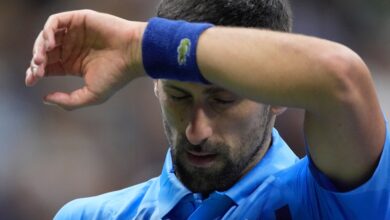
183,51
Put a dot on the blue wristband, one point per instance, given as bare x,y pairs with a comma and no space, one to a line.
169,49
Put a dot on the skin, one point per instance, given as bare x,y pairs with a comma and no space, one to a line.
225,133
344,125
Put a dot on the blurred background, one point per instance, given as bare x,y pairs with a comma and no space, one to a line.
49,156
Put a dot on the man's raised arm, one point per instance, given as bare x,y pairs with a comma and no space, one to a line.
344,125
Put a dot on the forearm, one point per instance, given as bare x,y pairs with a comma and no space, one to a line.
279,68
343,124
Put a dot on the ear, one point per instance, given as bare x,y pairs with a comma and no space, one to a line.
155,82
277,110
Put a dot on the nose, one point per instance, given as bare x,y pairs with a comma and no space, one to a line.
199,127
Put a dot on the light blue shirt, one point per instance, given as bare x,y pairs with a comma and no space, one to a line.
303,192
162,195
278,187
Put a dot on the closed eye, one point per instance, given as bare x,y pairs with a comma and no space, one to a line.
180,97
224,101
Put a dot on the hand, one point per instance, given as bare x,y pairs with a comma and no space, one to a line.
105,50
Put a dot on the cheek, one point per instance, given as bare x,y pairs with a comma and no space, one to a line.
235,125
175,116
237,121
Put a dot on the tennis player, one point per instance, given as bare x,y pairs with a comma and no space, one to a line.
220,90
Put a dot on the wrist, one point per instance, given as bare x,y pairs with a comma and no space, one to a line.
169,49
134,49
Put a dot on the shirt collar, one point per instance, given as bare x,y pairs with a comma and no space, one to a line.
278,157
171,189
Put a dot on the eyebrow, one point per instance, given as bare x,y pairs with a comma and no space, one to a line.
211,90
175,88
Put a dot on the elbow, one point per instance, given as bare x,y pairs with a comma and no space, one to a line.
348,76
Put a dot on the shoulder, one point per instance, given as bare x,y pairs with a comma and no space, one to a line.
310,193
305,172
303,192
108,205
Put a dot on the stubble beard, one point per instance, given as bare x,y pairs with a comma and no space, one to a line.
229,166
220,176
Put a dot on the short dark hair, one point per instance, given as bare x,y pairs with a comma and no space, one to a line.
268,14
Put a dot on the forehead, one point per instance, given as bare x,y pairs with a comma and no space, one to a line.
190,87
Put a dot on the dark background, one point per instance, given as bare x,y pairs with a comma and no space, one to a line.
49,156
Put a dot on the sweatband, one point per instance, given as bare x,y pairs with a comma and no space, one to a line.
169,49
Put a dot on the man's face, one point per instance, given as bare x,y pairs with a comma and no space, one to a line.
215,135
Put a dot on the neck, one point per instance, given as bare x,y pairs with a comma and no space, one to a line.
259,154
265,144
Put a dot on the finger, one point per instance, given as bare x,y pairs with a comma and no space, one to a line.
53,24
77,99
54,55
37,64
34,51
43,58
29,80
38,56
37,70
59,36
55,69
39,52
53,32
39,49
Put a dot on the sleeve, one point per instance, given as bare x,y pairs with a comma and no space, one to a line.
304,192
124,203
68,212
80,209
380,178
370,200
